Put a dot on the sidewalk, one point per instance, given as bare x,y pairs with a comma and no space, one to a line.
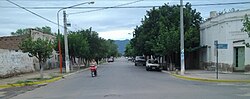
210,76
48,74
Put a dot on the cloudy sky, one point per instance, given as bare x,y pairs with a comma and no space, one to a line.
114,24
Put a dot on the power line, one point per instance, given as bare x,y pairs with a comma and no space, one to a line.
78,0
33,12
127,7
50,7
106,7
231,3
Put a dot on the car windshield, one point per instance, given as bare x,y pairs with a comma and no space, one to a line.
153,61
142,57
156,62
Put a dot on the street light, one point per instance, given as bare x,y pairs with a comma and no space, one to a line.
59,46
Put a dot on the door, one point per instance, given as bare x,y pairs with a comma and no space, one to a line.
239,58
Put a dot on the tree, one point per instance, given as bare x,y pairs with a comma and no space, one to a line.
20,32
246,27
78,45
45,29
129,51
41,49
87,45
159,33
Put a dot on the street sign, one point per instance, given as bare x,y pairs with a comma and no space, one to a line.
222,46
68,24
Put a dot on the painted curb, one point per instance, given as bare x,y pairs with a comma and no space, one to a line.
41,82
209,80
31,83
66,75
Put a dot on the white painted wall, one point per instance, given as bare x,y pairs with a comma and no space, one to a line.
247,55
226,29
12,62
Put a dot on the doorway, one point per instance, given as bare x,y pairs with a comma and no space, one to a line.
239,58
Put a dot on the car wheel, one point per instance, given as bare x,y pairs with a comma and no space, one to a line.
135,64
147,69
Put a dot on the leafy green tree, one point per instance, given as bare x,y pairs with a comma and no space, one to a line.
45,29
246,27
41,49
159,33
87,45
78,45
129,51
20,32
112,48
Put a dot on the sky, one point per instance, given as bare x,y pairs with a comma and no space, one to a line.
116,24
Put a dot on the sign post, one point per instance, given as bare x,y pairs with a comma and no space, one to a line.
218,46
217,67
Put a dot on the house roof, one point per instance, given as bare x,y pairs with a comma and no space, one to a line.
11,42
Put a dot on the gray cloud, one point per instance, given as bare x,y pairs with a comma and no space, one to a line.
12,19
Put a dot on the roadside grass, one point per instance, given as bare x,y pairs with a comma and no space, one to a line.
33,81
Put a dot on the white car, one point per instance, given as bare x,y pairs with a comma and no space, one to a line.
111,59
153,65
140,60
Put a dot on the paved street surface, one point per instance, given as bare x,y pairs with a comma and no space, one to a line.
122,80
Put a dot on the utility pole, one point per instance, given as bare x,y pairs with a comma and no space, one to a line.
182,39
66,42
65,37
60,50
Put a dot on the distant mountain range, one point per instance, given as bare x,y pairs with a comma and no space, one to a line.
121,45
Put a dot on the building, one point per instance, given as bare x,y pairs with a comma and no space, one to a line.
13,61
227,29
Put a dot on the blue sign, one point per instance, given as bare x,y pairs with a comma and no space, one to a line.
222,46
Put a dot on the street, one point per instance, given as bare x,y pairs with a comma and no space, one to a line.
122,80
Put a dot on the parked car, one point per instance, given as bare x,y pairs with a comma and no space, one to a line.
111,59
140,60
152,64
130,58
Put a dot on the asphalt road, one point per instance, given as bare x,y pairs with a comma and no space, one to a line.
122,80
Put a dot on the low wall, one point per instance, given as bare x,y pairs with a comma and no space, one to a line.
14,63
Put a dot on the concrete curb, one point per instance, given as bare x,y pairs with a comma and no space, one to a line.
207,80
31,83
40,82
69,74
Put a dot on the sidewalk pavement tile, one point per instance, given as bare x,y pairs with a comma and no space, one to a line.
212,75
